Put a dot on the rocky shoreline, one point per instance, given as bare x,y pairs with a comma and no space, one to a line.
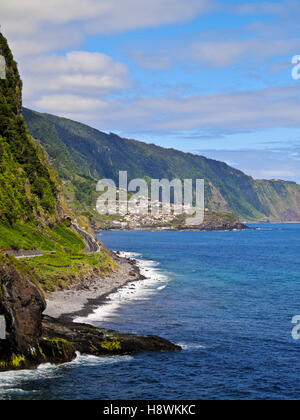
33,337
103,342
238,226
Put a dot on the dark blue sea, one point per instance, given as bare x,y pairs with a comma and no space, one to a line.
227,297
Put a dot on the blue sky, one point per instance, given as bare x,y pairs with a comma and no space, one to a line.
205,76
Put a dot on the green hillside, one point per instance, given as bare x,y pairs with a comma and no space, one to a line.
83,155
33,212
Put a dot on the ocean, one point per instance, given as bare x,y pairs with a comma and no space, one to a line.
228,298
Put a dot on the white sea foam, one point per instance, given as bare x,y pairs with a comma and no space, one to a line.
134,291
191,346
89,360
124,254
11,382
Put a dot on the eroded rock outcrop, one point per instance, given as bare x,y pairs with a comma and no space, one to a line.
22,304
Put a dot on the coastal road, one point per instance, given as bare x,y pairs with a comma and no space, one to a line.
90,242
19,257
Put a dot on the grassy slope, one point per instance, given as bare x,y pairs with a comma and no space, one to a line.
68,266
96,155
64,270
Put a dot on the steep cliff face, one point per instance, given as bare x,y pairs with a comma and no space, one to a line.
22,303
280,199
29,188
30,192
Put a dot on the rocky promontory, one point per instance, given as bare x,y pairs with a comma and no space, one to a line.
102,342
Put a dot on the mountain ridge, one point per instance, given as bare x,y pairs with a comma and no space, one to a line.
92,154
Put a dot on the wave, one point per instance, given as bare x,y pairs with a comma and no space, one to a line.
11,382
89,360
191,346
131,255
134,291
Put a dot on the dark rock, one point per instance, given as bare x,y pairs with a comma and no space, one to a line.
99,342
22,304
56,350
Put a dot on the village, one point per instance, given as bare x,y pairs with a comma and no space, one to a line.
146,214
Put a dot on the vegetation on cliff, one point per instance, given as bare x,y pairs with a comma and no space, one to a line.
27,184
33,211
33,216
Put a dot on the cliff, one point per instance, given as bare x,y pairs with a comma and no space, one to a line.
29,187
34,216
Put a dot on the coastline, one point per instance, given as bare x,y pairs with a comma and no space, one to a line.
273,223
83,299
80,302
239,226
86,298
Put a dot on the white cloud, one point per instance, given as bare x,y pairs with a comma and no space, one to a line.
273,107
42,42
134,14
70,104
76,72
224,113
77,61
33,26
217,53
229,52
266,7
78,83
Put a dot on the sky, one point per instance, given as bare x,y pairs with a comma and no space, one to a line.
210,77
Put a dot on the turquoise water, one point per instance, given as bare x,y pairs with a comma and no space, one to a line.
227,297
